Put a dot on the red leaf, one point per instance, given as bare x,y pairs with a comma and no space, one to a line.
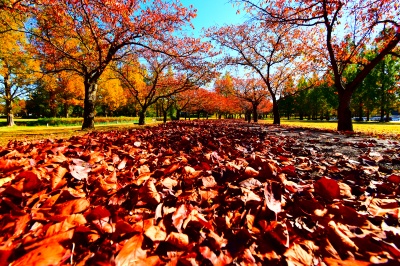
98,213
327,188
394,179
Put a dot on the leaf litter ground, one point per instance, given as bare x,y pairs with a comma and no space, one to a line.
201,193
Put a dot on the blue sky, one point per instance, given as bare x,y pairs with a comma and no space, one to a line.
213,13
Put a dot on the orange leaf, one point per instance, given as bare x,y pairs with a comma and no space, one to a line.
49,254
131,251
72,206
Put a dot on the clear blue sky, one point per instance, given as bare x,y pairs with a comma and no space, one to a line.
213,13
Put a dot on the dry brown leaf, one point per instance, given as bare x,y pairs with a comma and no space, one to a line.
155,233
179,240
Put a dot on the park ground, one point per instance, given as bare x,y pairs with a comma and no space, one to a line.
200,192
391,130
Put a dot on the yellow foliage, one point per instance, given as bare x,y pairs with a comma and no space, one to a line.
111,92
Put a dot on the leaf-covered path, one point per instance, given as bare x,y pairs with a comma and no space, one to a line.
201,193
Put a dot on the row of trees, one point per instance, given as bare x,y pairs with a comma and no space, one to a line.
135,53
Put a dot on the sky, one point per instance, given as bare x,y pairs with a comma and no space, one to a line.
213,13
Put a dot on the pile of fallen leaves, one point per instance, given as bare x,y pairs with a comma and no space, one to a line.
201,193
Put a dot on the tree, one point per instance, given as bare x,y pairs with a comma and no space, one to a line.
253,91
18,70
339,31
162,75
271,54
225,98
86,36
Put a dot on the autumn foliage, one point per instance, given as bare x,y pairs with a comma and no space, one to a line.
190,193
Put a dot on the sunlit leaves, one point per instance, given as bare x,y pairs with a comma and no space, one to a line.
199,192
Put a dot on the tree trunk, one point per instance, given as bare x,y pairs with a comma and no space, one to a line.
178,114
66,107
142,116
248,116
164,116
89,105
254,111
344,113
9,102
301,114
10,115
275,111
360,112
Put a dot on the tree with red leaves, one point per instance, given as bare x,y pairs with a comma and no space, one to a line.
338,32
272,54
252,91
86,36
161,75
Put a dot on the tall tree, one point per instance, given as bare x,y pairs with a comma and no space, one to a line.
339,31
271,54
18,70
86,36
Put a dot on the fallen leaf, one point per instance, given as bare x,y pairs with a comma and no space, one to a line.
327,188
131,251
48,254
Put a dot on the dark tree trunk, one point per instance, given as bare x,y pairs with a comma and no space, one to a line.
301,114
275,112
254,111
344,113
66,107
142,116
248,116
164,116
178,114
360,112
89,105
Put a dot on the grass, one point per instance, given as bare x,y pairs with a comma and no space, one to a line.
391,129
31,133
65,132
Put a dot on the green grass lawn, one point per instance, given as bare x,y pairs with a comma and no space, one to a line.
391,129
56,132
